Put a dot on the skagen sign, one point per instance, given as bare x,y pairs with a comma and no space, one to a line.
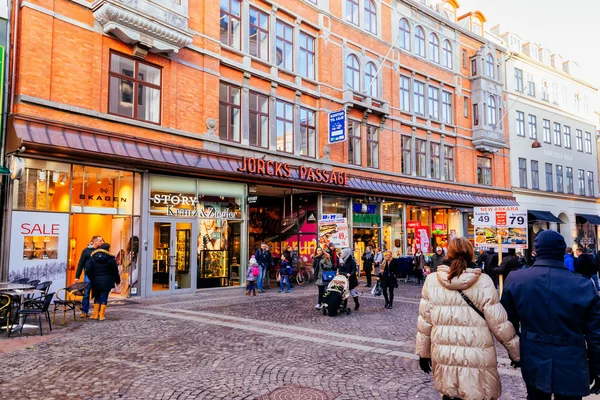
278,169
175,204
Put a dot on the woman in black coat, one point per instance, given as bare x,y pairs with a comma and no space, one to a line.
387,278
368,258
349,269
103,272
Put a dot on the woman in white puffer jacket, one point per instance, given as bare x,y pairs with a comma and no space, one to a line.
454,339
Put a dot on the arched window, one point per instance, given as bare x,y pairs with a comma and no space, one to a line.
370,76
489,62
447,54
404,34
491,117
352,11
371,17
420,41
434,48
353,72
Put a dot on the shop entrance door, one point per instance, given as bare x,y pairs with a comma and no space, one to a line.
173,255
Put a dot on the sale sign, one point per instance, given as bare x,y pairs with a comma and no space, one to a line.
508,223
334,229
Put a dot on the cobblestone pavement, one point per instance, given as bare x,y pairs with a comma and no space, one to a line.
220,344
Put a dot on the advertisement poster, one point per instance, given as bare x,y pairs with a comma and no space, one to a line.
333,229
422,239
39,247
508,222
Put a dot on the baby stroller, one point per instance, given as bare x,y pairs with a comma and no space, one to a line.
336,297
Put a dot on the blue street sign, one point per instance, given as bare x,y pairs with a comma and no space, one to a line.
337,126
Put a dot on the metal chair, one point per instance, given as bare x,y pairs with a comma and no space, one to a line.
37,312
5,311
38,302
21,281
71,300
33,282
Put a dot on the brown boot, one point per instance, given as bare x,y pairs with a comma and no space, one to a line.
102,312
247,293
254,292
96,311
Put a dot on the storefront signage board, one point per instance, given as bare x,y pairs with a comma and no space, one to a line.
180,205
334,231
337,126
277,169
413,224
510,223
39,247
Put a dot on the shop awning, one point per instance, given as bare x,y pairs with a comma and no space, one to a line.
591,218
97,145
543,216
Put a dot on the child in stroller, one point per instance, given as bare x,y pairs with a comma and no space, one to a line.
336,297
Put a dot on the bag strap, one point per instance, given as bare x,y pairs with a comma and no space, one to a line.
470,303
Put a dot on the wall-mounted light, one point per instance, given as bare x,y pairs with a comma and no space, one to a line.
55,176
536,144
42,176
63,180
98,179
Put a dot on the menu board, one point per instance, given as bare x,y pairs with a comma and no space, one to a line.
508,222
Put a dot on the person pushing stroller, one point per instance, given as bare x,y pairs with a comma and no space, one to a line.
348,269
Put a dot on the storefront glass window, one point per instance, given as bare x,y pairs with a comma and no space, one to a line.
366,218
418,229
393,229
335,205
43,187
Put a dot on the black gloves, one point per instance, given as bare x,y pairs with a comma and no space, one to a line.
425,364
515,364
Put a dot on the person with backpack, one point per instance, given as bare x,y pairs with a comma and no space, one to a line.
285,271
251,276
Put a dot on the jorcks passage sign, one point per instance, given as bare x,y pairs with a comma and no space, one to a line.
278,169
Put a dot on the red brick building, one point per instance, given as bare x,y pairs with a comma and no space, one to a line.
185,133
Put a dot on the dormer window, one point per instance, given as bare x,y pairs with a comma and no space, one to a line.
477,26
450,11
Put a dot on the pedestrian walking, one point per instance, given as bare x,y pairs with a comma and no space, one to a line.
368,259
103,273
320,262
437,259
388,278
333,255
586,265
419,265
459,317
378,259
349,269
285,271
569,259
509,263
488,261
558,315
251,275
86,254
265,260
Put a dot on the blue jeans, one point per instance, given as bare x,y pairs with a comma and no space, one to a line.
261,277
595,279
285,279
101,298
250,286
85,302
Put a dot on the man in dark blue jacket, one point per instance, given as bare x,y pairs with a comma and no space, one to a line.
558,315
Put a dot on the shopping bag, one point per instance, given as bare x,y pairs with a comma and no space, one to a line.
376,291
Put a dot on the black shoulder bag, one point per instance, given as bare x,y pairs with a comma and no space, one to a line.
470,303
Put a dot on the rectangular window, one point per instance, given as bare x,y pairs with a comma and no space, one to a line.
406,155
535,175
307,56
284,45
446,107
581,180
590,179
475,114
588,142
259,34
554,97
579,140
285,126
229,112
434,160
134,89
419,98
230,22
421,157
463,57
520,123
547,133
532,127
530,85
473,67
549,178
352,11
566,136
522,173
484,171
308,131
405,93
519,79
354,143
449,163
545,91
433,103
259,120
372,146
466,106
557,134
569,180
559,178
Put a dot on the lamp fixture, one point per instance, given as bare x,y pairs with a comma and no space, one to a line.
63,180
42,176
98,178
536,144
55,176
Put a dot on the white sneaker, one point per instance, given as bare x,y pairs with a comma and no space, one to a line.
318,306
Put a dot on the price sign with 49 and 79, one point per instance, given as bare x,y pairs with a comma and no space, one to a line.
508,222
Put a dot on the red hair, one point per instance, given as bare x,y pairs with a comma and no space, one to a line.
460,254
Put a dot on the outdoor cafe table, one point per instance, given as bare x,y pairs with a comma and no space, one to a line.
20,290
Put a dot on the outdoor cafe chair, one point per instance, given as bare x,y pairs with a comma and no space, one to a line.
37,312
38,302
22,281
5,311
33,282
71,299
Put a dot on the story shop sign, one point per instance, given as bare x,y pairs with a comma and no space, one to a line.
173,202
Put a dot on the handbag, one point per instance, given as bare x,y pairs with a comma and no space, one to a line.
473,306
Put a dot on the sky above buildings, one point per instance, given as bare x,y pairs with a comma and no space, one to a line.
569,28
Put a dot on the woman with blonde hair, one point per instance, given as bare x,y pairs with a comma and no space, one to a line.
459,316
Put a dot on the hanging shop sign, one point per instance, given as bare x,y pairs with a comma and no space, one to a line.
508,223
276,169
